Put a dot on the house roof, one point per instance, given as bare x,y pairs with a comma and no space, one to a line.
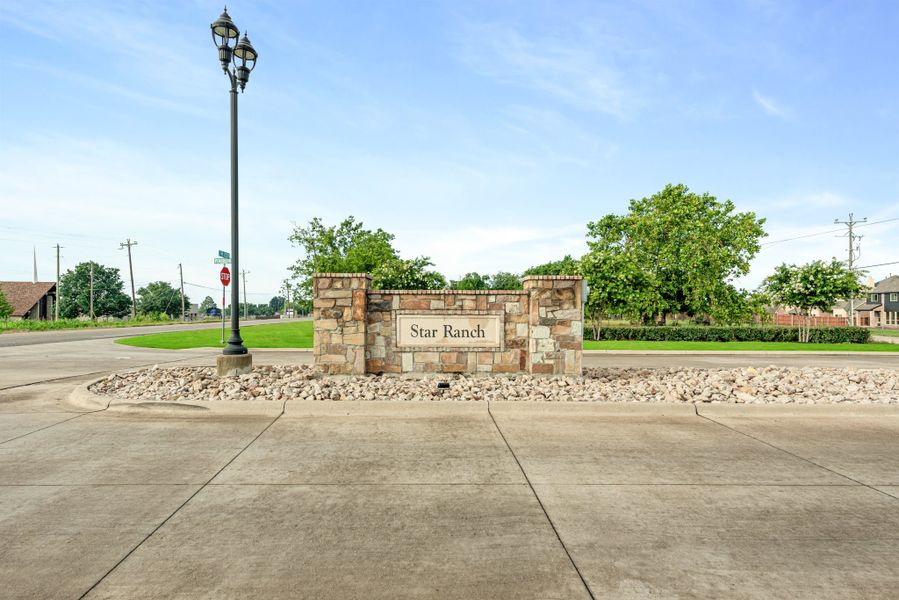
868,306
890,284
23,295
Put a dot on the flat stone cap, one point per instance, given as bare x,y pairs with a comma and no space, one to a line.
449,291
551,277
365,275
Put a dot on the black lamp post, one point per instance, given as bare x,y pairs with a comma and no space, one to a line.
238,58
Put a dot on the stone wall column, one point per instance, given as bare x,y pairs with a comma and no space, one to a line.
556,324
339,322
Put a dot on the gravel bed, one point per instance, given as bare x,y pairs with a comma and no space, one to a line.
747,385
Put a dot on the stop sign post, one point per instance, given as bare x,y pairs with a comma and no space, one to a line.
225,278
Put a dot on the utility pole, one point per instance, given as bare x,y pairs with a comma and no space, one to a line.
287,297
92,292
853,249
128,244
244,273
58,294
181,276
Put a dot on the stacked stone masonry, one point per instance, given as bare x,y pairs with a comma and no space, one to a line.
355,328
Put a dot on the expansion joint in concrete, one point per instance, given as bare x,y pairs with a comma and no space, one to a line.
182,505
793,454
540,503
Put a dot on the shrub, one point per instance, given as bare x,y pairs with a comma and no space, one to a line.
819,335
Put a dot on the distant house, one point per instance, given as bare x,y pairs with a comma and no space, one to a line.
34,301
881,307
792,316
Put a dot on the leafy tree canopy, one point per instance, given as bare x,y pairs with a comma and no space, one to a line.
813,285
471,281
5,306
344,248
565,266
109,296
503,280
687,248
351,248
411,274
206,304
160,297
276,304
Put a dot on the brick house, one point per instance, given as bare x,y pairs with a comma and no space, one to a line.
34,301
881,306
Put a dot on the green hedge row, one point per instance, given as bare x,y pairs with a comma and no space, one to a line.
818,335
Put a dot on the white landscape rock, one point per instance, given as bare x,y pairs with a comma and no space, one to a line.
750,385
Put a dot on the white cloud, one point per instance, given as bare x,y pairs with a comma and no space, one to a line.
583,76
771,107
457,251
804,201
823,242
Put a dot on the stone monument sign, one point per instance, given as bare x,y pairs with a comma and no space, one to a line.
357,330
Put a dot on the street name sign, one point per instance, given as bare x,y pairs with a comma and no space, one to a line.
224,254
222,261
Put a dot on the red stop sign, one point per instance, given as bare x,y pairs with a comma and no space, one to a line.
225,276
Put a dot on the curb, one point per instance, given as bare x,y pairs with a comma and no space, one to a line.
82,397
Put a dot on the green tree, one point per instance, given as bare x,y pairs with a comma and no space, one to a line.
344,248
565,266
110,298
160,297
503,280
411,274
813,285
687,246
5,307
615,285
206,304
276,304
471,281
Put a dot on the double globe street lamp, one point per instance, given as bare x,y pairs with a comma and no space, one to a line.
238,59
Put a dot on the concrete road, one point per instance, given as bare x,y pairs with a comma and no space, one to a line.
447,500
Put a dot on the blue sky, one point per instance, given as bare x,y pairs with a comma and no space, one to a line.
482,134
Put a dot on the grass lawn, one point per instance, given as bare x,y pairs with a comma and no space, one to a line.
887,332
299,335
731,346
29,325
282,335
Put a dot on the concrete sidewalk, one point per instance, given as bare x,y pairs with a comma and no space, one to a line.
448,500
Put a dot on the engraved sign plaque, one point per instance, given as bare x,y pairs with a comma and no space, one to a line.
449,331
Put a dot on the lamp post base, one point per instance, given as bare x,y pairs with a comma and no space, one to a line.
232,365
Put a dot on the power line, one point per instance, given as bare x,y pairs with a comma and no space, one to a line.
829,231
895,262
